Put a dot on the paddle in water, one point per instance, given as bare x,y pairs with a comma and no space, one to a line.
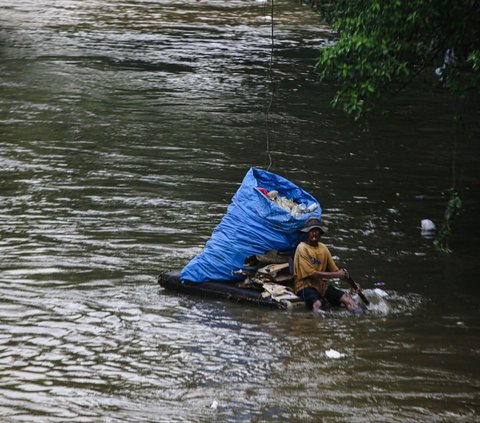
357,289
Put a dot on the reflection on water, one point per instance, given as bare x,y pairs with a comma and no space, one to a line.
125,130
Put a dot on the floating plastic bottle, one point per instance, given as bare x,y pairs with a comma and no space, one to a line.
428,228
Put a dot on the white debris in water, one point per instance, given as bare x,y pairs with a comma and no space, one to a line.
428,228
427,225
214,405
334,354
380,292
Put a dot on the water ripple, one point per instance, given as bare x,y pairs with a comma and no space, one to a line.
126,129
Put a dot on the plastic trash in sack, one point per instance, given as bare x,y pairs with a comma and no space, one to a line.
252,225
294,208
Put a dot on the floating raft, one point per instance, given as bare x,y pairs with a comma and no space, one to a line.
233,291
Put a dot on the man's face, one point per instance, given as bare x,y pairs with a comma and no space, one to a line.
314,234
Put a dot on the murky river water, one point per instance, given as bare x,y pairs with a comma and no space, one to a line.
125,129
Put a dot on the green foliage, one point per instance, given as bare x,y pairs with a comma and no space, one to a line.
454,207
383,45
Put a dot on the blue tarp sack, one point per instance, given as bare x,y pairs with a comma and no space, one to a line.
252,225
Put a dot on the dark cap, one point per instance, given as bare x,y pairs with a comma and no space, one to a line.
313,223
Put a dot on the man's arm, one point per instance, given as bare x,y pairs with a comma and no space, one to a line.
341,274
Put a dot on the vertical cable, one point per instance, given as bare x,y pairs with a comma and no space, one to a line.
272,92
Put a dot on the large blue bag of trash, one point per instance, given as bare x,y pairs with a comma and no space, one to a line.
252,225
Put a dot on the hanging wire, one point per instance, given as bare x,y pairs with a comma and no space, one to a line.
272,89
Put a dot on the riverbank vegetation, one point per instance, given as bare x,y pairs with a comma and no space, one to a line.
381,47
384,45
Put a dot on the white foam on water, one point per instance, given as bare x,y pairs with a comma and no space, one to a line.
390,302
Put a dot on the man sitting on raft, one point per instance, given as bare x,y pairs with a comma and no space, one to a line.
313,265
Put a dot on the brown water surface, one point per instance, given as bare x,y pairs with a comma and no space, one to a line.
125,129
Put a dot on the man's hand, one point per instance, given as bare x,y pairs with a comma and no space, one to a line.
343,274
356,287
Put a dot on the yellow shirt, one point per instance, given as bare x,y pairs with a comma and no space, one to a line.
309,259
